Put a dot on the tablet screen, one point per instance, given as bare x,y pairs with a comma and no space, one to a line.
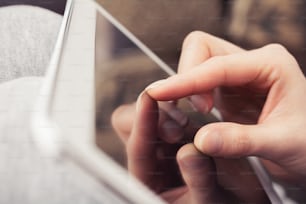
123,70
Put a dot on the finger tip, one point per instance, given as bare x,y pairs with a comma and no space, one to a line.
190,159
144,100
155,85
186,152
208,141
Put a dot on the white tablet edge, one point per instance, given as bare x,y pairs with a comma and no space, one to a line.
46,134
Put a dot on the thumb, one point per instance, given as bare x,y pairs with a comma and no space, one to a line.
232,140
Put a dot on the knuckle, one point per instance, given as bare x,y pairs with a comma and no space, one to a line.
281,57
277,50
276,46
194,36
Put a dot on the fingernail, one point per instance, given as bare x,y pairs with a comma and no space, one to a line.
173,132
199,104
155,84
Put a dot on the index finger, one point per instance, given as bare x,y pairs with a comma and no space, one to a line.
141,147
199,47
252,68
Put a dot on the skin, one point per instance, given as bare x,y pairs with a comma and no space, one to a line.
271,75
178,172
260,96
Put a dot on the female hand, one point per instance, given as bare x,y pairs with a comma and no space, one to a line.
178,172
269,74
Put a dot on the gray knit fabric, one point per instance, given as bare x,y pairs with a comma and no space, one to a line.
27,176
27,37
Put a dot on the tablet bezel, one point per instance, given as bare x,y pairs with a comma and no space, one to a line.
52,141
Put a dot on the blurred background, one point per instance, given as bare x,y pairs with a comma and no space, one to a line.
54,5
162,25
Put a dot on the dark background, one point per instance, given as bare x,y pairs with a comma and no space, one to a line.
54,5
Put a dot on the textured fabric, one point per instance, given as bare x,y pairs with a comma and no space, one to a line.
27,176
27,38
53,5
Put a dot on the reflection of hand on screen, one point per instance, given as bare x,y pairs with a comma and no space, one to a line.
171,167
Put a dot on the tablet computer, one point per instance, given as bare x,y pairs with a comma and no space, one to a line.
97,66
64,127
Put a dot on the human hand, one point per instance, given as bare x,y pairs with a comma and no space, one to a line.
179,173
236,104
270,73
